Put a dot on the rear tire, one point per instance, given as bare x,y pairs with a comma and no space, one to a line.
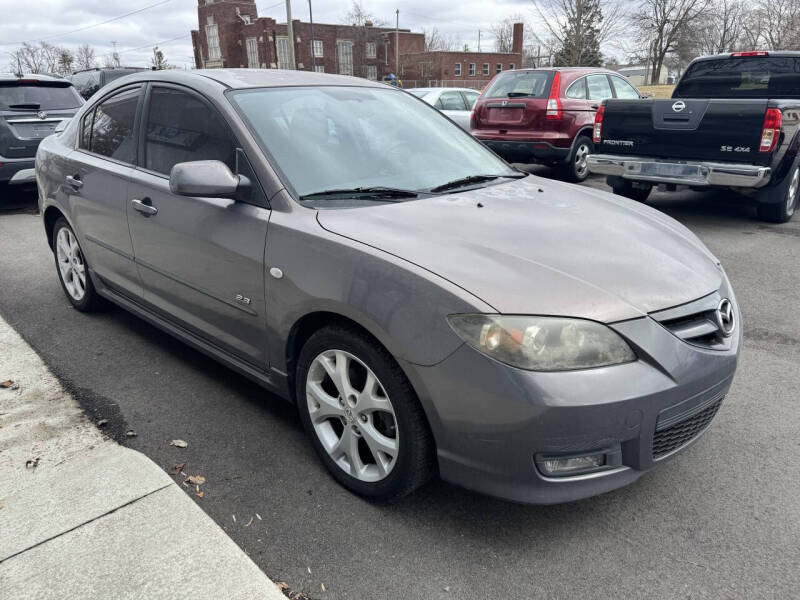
786,194
73,272
575,168
362,414
638,191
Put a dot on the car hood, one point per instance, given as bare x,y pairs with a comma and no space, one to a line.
536,246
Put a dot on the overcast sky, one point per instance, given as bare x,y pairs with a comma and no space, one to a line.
56,21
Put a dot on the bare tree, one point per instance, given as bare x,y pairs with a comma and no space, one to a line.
435,40
554,14
358,15
158,62
660,22
85,58
720,28
773,25
42,58
65,62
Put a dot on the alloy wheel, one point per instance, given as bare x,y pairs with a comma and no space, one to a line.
71,265
791,194
581,165
352,415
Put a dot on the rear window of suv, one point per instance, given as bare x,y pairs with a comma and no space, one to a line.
36,96
518,84
745,77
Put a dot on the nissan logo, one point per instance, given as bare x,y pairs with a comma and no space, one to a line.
725,317
679,106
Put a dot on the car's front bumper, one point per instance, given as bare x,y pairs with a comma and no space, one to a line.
692,173
17,171
491,420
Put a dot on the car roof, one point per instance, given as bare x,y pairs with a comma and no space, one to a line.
440,89
30,76
123,68
252,78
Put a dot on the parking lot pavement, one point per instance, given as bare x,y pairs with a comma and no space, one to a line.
721,520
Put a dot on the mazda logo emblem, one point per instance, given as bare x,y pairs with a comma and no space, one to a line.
679,106
725,317
42,115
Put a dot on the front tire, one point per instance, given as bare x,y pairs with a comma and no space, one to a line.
635,191
788,195
73,272
362,415
575,168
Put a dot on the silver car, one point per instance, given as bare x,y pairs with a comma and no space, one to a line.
456,103
428,308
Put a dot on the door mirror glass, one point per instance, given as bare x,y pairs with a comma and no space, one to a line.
205,178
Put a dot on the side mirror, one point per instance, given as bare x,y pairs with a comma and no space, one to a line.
206,178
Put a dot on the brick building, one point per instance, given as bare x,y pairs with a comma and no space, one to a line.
231,34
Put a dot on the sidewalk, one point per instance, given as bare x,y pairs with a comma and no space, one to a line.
82,517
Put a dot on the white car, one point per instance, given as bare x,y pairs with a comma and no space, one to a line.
456,103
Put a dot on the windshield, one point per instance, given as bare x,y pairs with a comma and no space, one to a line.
745,77
511,84
335,138
38,97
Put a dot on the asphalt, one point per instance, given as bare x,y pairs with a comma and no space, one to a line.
720,521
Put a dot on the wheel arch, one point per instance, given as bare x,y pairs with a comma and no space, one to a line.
51,214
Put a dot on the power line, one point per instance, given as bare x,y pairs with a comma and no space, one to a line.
133,12
129,50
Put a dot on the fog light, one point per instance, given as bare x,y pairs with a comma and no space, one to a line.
577,464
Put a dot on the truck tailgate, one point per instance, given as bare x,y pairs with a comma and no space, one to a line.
690,129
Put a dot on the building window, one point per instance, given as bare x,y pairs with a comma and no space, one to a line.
316,48
246,19
319,68
372,51
283,52
212,38
457,69
425,69
511,66
472,69
499,68
372,72
344,52
252,53
485,68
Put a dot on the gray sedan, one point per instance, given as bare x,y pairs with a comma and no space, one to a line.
456,103
429,309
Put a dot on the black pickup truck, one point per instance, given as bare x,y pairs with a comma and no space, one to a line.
732,122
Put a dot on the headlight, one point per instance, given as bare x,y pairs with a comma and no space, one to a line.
543,343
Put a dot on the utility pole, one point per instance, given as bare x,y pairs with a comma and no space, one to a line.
290,31
479,40
397,44
114,55
311,20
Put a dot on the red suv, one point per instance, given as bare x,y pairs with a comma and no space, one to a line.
546,115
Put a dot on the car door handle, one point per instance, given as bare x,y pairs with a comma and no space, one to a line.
144,206
594,106
74,182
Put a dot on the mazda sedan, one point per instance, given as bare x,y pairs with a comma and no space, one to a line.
428,308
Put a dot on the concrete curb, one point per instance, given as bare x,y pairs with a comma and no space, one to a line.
82,517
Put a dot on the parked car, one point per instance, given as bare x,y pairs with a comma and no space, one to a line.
31,107
732,122
88,81
546,115
456,103
428,307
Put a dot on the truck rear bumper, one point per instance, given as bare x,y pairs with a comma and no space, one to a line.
693,173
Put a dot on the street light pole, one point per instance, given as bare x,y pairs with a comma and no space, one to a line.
290,31
311,20
397,45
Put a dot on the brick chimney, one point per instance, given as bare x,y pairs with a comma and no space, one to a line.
516,38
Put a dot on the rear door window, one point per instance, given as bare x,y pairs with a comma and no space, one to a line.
577,91
38,96
112,132
623,89
451,101
514,84
183,128
599,88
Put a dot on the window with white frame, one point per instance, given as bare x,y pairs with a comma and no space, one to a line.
499,68
247,19
316,48
344,54
425,69
371,50
252,53
319,68
372,72
282,45
485,68
212,39
472,69
457,69
511,66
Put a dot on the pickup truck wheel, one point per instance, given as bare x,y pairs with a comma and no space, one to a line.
575,168
782,211
638,192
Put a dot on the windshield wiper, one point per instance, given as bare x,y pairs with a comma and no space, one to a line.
363,192
32,105
457,183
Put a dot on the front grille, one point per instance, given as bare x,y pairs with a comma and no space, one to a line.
672,436
695,323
